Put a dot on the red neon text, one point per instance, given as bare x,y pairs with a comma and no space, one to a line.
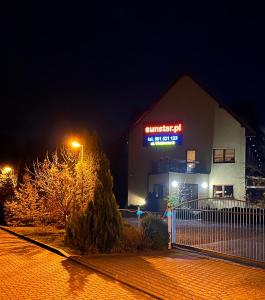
164,128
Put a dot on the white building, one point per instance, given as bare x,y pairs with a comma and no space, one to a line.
187,138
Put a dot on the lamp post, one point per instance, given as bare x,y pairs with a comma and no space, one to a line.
75,144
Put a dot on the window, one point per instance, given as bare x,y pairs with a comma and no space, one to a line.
191,157
230,155
224,155
191,154
223,191
228,191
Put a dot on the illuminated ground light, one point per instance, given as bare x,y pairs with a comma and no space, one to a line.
137,200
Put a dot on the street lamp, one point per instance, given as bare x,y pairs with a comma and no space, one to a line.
7,170
76,145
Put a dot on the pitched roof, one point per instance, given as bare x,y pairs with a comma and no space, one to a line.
249,130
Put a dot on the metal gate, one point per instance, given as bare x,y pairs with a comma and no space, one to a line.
226,226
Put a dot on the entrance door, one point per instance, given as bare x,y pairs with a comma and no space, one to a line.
160,203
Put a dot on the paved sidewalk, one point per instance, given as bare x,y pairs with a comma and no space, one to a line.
181,275
30,272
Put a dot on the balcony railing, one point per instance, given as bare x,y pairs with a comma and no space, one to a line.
178,166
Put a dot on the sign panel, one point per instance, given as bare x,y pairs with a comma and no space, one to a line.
163,134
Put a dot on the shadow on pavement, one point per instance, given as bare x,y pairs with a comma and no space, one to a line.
9,245
79,277
141,272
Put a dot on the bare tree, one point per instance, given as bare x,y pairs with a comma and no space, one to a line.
25,208
56,184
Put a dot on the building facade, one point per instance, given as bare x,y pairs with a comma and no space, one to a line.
186,141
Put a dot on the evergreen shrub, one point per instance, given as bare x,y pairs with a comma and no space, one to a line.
94,220
78,230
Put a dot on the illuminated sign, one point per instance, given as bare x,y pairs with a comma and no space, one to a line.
166,134
165,128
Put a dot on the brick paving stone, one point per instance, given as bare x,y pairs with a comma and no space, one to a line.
181,275
32,273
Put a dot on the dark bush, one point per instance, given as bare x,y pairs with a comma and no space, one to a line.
154,232
131,240
78,230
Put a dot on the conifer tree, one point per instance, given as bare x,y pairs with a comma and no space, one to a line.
106,219
78,229
95,220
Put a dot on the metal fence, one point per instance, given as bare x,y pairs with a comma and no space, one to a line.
227,226
134,216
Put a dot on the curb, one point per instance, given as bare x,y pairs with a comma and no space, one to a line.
40,244
80,262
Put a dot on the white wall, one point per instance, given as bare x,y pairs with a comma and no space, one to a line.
228,133
193,179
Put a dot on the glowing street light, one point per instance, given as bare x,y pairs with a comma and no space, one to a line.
7,170
75,144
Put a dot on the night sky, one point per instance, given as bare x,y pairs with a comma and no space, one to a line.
72,66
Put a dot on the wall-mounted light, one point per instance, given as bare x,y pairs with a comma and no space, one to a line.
174,183
204,185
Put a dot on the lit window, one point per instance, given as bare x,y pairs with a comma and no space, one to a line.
229,155
218,155
191,157
218,191
224,155
223,191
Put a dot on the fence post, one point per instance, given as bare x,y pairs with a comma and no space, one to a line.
139,212
169,227
173,226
